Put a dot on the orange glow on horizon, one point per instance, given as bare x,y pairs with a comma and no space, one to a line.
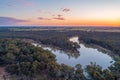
73,23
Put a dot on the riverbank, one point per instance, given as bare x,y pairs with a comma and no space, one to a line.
54,48
91,45
101,49
75,46
87,55
95,46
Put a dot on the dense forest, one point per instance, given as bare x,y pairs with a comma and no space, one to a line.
29,62
22,59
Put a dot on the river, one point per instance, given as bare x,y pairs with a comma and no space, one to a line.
85,57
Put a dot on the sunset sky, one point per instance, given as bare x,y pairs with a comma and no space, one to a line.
60,12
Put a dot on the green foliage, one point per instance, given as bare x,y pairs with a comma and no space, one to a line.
24,59
109,40
96,73
115,69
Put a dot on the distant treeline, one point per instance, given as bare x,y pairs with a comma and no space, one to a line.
59,38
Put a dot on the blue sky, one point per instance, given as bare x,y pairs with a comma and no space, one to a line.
60,12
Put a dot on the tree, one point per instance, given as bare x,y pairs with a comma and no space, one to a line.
115,69
79,73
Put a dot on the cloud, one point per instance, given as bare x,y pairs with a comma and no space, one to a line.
65,10
41,18
59,17
10,21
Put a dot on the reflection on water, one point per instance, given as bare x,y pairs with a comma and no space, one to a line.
55,51
86,56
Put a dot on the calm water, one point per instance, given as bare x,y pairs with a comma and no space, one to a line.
85,56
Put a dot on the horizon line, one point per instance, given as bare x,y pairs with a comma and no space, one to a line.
53,26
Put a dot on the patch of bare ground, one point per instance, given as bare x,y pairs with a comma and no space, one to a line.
3,74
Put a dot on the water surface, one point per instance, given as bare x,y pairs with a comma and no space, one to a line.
85,56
